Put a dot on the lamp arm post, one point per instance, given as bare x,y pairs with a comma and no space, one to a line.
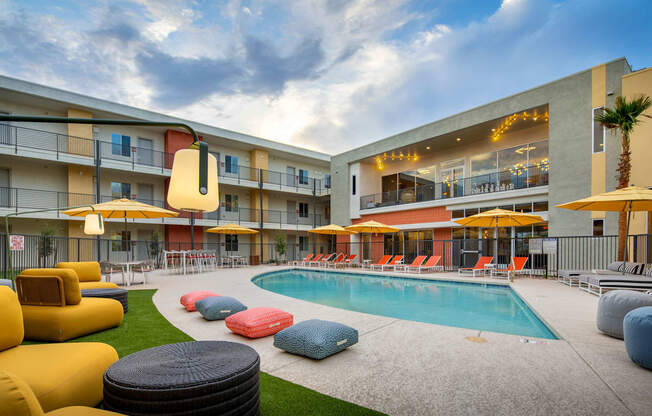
15,214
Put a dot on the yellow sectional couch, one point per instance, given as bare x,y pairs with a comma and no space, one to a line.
89,274
48,317
59,375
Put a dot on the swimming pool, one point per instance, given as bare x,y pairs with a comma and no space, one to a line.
465,305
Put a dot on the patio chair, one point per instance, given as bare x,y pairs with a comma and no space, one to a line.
598,284
431,264
107,269
143,268
516,266
336,261
479,266
418,261
382,261
315,260
346,262
324,260
397,260
303,261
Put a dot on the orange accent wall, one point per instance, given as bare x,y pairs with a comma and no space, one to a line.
412,216
175,234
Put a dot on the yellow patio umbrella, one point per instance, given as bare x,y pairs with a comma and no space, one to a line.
374,227
332,229
231,229
499,218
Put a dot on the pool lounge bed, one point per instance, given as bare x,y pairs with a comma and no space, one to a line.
597,284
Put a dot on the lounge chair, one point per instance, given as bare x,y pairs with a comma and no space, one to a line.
598,284
517,265
571,277
479,266
397,260
418,261
335,261
382,261
303,261
324,260
346,262
314,260
431,264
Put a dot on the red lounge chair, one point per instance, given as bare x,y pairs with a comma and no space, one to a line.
346,262
397,260
315,259
324,260
418,261
302,262
382,261
431,264
337,260
479,266
517,265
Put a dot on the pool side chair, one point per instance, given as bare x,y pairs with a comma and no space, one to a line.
59,375
324,260
431,265
381,262
54,310
336,261
89,274
516,266
346,262
303,261
418,261
315,260
396,261
478,268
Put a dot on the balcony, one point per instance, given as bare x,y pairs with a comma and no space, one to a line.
28,142
283,219
508,180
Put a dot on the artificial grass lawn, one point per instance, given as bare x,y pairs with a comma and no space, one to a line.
144,327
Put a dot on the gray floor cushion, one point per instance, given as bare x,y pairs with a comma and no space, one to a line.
613,307
316,338
213,308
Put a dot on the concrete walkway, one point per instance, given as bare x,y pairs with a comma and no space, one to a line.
409,368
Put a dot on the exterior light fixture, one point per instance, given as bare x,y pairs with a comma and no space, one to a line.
193,181
458,140
427,147
94,224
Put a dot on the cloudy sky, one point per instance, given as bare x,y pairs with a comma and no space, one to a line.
324,74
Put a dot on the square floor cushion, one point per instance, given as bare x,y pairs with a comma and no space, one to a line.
316,338
213,308
189,299
259,322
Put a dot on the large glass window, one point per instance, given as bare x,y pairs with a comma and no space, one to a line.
327,180
483,171
231,242
406,188
120,145
598,132
303,209
231,203
512,163
303,176
231,164
120,190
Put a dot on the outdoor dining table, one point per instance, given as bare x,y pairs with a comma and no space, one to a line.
126,267
182,253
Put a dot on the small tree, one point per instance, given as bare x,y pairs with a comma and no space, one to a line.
154,246
280,244
45,246
624,117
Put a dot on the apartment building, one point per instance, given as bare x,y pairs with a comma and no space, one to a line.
282,188
526,152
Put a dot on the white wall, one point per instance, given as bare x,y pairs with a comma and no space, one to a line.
354,204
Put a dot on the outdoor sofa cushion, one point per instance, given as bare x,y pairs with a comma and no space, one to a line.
259,322
614,305
637,327
615,281
70,280
12,332
213,308
316,338
87,271
189,299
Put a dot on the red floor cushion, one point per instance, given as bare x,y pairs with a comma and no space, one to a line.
188,300
259,322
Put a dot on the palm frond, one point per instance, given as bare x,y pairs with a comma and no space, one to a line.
625,114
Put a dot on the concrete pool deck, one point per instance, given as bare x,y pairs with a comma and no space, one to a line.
410,368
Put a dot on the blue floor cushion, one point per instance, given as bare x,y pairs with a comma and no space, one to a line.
637,328
316,338
213,308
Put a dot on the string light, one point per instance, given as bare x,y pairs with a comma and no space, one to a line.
498,132
381,159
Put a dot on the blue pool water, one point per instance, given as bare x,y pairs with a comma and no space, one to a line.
464,305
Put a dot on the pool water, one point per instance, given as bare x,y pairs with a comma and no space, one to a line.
465,305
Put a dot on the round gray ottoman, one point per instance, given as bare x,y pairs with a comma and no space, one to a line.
613,307
121,295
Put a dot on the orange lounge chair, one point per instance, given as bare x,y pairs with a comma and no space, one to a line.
431,265
382,261
479,266
346,262
303,261
314,260
324,260
418,261
337,260
397,260
517,265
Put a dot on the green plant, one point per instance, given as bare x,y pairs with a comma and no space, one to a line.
154,245
280,245
45,245
624,116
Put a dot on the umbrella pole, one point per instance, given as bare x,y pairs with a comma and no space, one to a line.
125,239
192,230
629,213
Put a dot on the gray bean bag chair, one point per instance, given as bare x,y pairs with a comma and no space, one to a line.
214,308
614,305
315,338
638,336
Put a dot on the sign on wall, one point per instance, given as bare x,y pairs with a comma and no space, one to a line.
536,245
16,242
550,245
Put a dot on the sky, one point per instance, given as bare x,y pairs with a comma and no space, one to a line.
328,75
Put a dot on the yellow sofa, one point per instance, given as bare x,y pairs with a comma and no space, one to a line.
53,309
59,375
89,274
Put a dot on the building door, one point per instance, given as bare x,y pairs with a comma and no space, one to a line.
291,176
291,250
5,192
144,153
146,193
219,165
292,212
143,246
452,178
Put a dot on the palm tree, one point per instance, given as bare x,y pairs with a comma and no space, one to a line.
624,117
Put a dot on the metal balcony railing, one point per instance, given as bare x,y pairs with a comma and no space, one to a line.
526,177
281,218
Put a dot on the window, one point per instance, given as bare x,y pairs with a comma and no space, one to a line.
120,190
120,145
353,185
303,243
327,181
303,209
598,227
231,203
526,207
458,213
231,242
303,177
598,132
231,164
540,206
121,241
